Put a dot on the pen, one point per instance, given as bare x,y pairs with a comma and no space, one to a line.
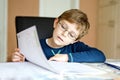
113,66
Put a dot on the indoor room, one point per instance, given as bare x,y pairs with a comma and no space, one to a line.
103,16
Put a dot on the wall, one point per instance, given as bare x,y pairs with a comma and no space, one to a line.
109,23
49,10
19,8
3,30
90,8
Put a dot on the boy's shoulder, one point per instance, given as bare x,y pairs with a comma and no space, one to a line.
78,43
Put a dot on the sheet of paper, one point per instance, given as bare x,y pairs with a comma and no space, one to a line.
29,71
24,71
30,47
75,68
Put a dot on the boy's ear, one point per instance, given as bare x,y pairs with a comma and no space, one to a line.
55,22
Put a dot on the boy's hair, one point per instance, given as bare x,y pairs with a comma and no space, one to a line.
78,17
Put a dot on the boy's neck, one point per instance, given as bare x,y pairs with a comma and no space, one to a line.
50,42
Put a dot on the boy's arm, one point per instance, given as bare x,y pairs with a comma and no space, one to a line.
84,53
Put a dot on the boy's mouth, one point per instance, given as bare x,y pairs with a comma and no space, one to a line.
60,39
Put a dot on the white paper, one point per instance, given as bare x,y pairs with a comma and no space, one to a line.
30,47
75,68
24,71
29,71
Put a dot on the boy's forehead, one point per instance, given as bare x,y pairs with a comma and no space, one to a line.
77,26
74,26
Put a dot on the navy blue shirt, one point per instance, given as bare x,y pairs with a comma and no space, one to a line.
77,52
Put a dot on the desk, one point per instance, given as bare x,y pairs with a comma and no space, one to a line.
28,71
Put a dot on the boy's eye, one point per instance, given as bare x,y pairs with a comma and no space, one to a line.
63,27
71,35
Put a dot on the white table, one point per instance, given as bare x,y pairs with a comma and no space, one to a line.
28,71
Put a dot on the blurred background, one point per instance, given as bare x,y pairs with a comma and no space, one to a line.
103,15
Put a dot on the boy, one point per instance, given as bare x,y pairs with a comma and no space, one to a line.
64,45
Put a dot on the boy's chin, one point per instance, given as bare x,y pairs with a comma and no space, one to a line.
59,44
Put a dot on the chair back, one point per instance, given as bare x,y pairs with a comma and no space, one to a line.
44,25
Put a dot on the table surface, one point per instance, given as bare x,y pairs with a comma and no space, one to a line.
28,71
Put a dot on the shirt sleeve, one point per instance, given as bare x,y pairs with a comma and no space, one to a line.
85,53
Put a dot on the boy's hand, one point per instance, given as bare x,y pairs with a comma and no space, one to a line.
17,56
60,58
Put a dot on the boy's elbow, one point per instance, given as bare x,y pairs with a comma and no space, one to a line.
97,57
101,57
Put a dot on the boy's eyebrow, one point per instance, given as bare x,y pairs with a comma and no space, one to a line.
63,23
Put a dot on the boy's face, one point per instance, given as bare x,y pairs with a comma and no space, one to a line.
65,33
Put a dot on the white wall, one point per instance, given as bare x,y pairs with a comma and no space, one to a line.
3,30
53,8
